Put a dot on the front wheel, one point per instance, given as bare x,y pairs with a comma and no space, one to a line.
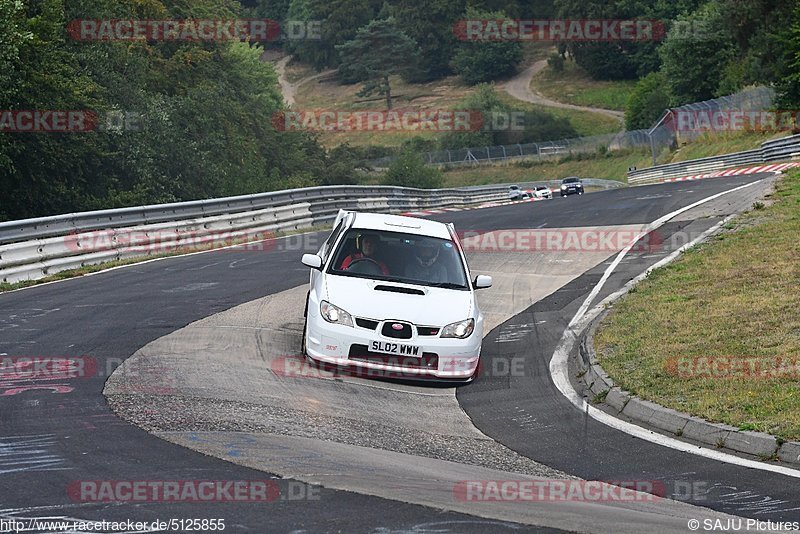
303,351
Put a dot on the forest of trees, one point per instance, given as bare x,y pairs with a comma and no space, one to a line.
711,47
203,110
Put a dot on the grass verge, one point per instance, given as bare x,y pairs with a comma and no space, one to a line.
585,124
709,334
611,166
712,145
574,86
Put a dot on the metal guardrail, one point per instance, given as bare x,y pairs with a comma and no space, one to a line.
777,150
34,248
115,218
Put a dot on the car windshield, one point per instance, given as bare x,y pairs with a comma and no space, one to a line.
571,180
399,257
513,188
540,188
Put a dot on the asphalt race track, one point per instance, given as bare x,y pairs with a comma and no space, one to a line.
55,434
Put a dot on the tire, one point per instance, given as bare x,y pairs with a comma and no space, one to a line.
303,347
303,350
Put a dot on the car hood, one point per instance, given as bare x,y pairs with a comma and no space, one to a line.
437,307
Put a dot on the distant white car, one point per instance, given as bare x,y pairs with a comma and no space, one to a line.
393,294
543,192
514,192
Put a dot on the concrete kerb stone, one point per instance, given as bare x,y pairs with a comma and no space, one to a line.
766,446
617,398
789,452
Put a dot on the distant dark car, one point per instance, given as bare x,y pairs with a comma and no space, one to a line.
571,186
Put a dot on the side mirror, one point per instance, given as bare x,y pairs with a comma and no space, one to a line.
312,260
482,282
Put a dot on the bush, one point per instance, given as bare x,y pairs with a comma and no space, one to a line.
409,170
556,62
648,102
485,61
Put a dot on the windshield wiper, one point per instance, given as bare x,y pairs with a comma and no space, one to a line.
447,285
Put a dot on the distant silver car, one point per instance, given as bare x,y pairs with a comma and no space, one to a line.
543,192
514,192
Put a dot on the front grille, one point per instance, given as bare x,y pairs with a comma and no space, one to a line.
428,330
361,353
366,323
388,331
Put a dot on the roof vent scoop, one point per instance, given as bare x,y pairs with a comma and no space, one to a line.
399,289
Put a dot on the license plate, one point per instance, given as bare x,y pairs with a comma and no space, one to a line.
395,349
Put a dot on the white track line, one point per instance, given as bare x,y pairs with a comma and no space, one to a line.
559,369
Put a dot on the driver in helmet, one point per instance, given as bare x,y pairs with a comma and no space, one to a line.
368,243
426,266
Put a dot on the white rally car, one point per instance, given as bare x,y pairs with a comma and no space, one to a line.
393,295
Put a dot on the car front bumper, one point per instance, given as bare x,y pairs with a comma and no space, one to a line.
442,358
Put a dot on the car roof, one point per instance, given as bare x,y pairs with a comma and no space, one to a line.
398,223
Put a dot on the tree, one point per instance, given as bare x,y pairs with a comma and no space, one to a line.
340,19
430,24
378,51
648,102
694,65
621,59
204,112
484,61
789,71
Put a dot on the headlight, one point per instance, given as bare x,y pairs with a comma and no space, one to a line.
335,315
563,187
460,330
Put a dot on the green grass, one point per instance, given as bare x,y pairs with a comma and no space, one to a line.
328,94
612,166
575,86
735,297
712,145
585,124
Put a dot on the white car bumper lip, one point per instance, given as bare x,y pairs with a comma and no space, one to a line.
443,358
